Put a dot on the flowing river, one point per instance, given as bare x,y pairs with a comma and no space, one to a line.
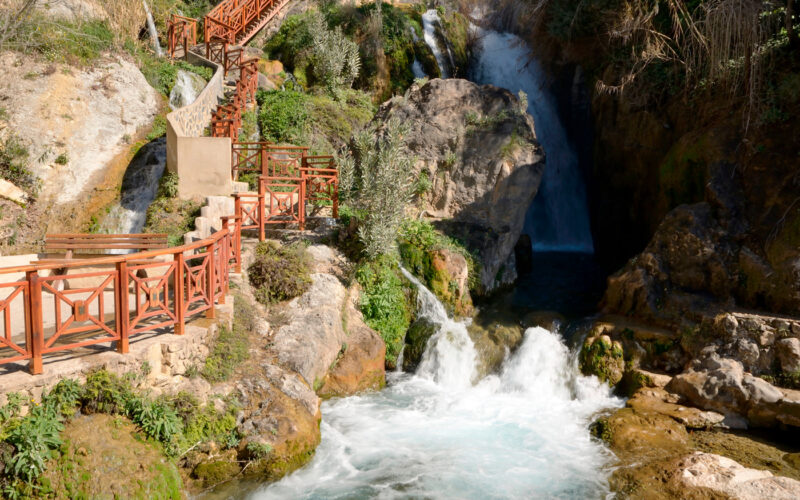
439,433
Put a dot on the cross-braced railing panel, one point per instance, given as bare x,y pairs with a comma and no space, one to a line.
154,296
15,342
197,273
284,200
81,316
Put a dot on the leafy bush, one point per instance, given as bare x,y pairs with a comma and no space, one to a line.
279,272
14,164
34,439
170,215
382,186
156,419
162,74
282,115
105,392
60,40
384,303
334,58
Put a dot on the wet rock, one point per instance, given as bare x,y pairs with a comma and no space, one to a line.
722,385
187,87
660,401
603,358
483,158
705,471
416,340
361,363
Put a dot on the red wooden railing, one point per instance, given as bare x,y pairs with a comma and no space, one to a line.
181,31
114,297
238,21
227,119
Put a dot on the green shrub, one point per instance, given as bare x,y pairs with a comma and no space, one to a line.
34,440
230,349
282,116
63,41
170,215
105,392
159,128
157,419
14,164
279,272
384,303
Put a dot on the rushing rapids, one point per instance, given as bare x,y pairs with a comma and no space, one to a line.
438,433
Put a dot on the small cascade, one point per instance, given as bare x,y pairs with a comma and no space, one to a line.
187,88
430,20
151,28
139,188
521,433
450,356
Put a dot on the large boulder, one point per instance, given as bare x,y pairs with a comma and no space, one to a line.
721,384
482,157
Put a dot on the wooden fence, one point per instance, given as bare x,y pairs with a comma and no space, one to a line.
110,299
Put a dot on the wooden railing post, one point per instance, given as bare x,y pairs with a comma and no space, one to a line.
237,242
262,209
37,328
211,281
302,205
122,310
180,319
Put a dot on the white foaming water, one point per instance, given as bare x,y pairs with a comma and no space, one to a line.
429,21
139,187
519,434
185,90
558,219
417,69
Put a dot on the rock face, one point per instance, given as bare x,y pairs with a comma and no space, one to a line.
482,157
728,478
91,115
722,385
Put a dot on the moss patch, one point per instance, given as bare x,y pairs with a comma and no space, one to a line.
105,456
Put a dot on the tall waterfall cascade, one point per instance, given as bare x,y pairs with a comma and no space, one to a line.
439,433
558,219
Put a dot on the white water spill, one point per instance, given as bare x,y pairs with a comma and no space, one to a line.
417,70
558,220
139,187
430,20
519,434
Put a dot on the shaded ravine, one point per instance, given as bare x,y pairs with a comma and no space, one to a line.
438,433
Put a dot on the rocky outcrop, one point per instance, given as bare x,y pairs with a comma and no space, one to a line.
722,385
92,115
482,157
725,477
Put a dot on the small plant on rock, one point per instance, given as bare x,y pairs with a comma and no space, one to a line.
279,272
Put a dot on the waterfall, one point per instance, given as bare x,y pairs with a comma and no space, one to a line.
430,20
521,433
558,219
139,187
151,28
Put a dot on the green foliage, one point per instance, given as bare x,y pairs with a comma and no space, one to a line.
384,303
279,272
156,419
423,184
34,439
14,164
249,126
259,450
161,74
282,116
230,349
62,159
335,59
105,392
159,128
382,186
603,360
170,215
63,41
418,239
601,429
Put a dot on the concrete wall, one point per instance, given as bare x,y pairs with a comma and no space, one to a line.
203,164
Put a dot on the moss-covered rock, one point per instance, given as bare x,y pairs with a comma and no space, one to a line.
603,358
216,471
105,456
416,341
